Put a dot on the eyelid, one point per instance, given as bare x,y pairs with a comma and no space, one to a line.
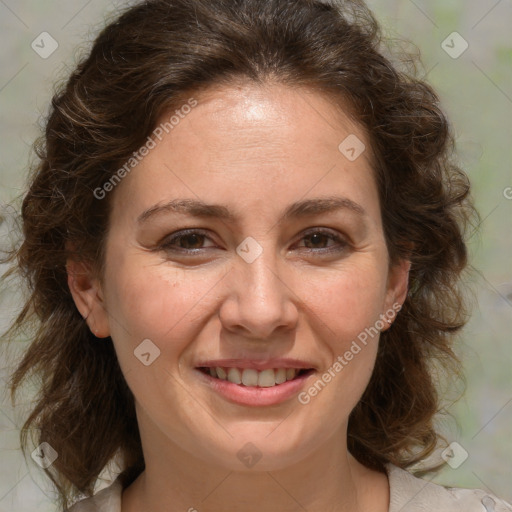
166,241
342,240
325,231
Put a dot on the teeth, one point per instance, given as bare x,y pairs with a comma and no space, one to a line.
267,378
281,375
250,377
234,376
290,373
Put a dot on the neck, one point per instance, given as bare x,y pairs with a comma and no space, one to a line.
329,479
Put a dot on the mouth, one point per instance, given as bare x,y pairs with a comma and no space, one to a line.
250,377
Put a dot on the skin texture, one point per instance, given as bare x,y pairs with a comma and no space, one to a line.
255,149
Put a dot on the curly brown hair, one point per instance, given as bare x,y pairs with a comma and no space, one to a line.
142,65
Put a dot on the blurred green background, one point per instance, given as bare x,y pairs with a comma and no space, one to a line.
476,90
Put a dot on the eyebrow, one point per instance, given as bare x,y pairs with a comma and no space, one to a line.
303,208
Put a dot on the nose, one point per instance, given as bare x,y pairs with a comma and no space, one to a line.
260,301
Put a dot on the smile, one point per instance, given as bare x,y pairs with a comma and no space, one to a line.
250,387
252,378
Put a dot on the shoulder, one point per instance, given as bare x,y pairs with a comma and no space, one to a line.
411,494
106,500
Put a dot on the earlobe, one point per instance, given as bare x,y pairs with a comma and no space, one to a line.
86,292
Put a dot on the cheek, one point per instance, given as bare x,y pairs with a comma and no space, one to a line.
344,307
170,306
152,302
348,299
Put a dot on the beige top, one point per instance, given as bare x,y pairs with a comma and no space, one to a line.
407,494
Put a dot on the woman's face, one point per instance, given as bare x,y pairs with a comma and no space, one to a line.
250,285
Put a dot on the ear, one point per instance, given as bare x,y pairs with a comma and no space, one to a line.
86,291
397,285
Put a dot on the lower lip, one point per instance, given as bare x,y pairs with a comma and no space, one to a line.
256,396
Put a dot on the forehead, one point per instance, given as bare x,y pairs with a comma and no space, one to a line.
251,114
249,144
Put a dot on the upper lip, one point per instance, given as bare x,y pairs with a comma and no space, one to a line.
256,364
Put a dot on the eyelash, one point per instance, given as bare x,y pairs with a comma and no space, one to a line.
168,243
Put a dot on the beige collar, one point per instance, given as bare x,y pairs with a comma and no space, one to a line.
407,494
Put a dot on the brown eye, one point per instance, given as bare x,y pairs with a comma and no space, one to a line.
318,240
183,241
193,241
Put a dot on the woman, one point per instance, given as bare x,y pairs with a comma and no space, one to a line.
243,241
